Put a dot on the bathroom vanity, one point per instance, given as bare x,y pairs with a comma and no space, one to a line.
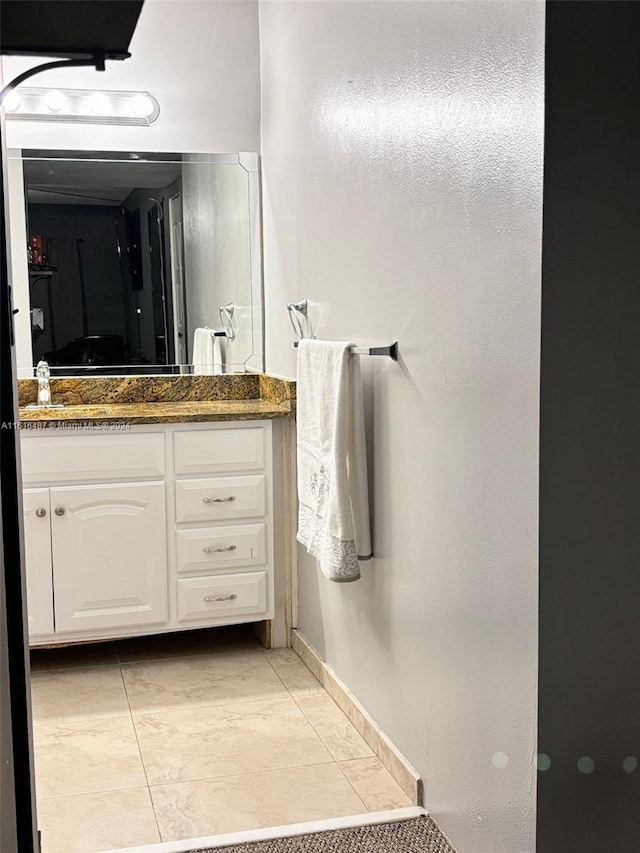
150,503
142,528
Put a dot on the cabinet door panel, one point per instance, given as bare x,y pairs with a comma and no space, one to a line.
37,537
109,556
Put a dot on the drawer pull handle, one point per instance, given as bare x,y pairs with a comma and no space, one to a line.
211,550
229,597
40,512
59,510
218,500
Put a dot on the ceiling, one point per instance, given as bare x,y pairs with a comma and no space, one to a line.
98,182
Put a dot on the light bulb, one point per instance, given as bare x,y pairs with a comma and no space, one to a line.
100,104
11,102
142,106
55,100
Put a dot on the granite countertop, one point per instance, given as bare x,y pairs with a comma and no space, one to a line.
157,413
139,400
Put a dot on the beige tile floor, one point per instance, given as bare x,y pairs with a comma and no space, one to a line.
180,736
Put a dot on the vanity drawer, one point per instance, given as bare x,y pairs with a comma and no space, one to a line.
219,450
210,548
220,498
224,595
99,457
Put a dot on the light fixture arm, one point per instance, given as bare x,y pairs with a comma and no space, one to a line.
97,60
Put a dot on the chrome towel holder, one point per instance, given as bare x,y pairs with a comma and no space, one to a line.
300,309
226,318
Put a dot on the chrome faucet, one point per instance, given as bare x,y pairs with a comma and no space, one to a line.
43,375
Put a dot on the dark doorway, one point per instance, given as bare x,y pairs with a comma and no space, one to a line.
589,693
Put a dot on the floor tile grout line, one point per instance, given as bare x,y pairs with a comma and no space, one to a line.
201,654
322,691
182,708
71,719
244,773
320,688
94,793
73,668
240,701
366,807
346,718
287,767
275,671
192,654
144,768
292,697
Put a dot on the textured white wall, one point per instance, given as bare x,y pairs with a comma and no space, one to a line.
200,58
402,164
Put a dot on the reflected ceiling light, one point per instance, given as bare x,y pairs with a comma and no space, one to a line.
11,102
86,106
55,100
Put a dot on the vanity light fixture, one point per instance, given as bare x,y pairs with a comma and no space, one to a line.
55,100
85,106
12,102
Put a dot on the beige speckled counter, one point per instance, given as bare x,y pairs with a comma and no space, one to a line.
140,400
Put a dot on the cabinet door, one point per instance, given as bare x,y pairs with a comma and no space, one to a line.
109,556
37,538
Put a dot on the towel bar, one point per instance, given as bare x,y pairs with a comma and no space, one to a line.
226,318
391,351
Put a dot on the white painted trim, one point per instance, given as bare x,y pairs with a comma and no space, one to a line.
284,533
271,832
256,359
248,160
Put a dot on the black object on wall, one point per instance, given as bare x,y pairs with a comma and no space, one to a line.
589,694
69,28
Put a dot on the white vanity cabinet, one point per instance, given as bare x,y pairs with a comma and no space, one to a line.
153,529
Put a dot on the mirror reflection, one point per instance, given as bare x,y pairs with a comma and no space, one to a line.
137,262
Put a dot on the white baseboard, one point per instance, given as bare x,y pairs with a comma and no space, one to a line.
271,832
390,756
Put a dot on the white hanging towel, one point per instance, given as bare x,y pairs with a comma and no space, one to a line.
333,514
207,353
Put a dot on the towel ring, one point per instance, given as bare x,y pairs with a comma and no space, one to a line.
226,318
298,310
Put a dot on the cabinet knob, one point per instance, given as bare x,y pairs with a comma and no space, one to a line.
227,597
211,550
218,500
40,512
59,510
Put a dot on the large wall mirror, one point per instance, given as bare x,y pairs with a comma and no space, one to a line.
126,263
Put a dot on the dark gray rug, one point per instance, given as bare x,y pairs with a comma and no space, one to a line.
418,835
